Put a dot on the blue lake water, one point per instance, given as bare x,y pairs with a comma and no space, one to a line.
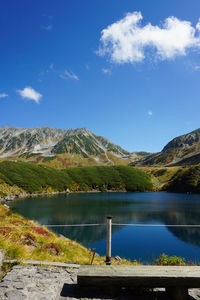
141,243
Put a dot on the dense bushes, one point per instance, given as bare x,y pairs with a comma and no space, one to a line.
110,178
33,178
37,178
187,180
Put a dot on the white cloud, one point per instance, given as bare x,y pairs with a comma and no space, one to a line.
106,71
150,113
3,95
197,68
60,73
31,94
128,41
68,75
47,27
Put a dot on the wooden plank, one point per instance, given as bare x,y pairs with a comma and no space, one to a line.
143,276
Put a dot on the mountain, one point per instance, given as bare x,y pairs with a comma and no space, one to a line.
60,147
182,150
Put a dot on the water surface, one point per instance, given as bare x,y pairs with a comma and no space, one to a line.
141,243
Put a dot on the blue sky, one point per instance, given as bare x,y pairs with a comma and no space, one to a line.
125,69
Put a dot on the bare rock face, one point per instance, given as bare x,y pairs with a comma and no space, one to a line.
2,257
47,142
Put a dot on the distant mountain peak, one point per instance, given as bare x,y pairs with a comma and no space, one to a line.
78,145
182,150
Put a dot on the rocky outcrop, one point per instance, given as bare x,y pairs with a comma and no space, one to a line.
2,257
35,283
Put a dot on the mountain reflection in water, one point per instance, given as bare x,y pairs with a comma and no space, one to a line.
127,241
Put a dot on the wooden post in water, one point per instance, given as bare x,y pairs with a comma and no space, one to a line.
108,245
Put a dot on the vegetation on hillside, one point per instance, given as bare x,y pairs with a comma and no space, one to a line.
17,178
187,180
175,179
160,176
31,178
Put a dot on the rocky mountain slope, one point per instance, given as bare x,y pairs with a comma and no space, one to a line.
61,147
182,150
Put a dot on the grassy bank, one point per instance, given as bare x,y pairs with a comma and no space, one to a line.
39,243
36,243
19,177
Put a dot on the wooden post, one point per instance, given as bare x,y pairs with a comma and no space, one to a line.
108,245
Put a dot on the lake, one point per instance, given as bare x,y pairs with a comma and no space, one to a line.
141,243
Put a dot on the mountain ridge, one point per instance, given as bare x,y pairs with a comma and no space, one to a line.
77,147
182,150
47,143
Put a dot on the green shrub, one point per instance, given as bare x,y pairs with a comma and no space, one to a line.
165,260
160,172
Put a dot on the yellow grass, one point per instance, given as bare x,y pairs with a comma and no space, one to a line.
160,180
40,243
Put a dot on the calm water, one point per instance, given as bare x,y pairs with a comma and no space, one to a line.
143,244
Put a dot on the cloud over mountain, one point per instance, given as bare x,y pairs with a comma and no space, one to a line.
128,41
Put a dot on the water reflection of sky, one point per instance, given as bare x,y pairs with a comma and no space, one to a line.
144,243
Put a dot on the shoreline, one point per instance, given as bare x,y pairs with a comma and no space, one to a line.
10,198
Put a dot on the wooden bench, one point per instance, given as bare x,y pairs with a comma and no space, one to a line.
176,279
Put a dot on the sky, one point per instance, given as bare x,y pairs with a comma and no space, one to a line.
128,70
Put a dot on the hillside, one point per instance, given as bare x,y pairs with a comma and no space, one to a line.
61,148
160,176
182,150
186,180
17,178
37,243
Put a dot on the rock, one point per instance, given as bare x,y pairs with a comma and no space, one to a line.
4,285
19,285
35,283
14,294
117,258
2,257
10,198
